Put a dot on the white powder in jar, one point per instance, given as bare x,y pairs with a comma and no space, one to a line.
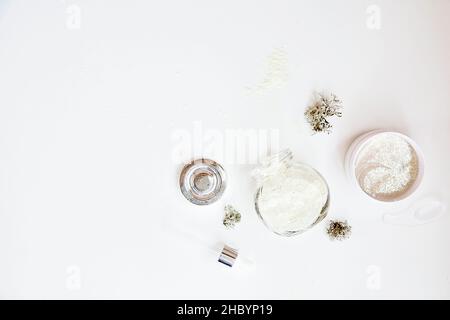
387,166
292,200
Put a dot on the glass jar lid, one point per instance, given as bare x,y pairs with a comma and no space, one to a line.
203,181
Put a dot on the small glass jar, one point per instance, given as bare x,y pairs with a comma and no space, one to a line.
291,197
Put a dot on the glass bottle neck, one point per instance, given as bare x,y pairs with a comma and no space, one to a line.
272,165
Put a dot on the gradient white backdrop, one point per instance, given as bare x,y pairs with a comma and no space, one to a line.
91,93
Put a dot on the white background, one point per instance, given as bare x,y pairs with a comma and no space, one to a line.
89,201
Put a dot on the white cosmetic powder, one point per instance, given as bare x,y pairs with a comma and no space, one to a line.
386,167
293,199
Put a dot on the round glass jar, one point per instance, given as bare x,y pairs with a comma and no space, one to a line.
291,197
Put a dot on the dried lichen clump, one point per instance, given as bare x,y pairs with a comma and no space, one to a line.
319,113
232,217
338,230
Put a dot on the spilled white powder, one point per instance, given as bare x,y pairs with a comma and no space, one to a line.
292,200
386,167
275,73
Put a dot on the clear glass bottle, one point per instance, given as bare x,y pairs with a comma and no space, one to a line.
291,197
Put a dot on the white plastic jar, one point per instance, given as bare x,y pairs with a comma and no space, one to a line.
390,156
